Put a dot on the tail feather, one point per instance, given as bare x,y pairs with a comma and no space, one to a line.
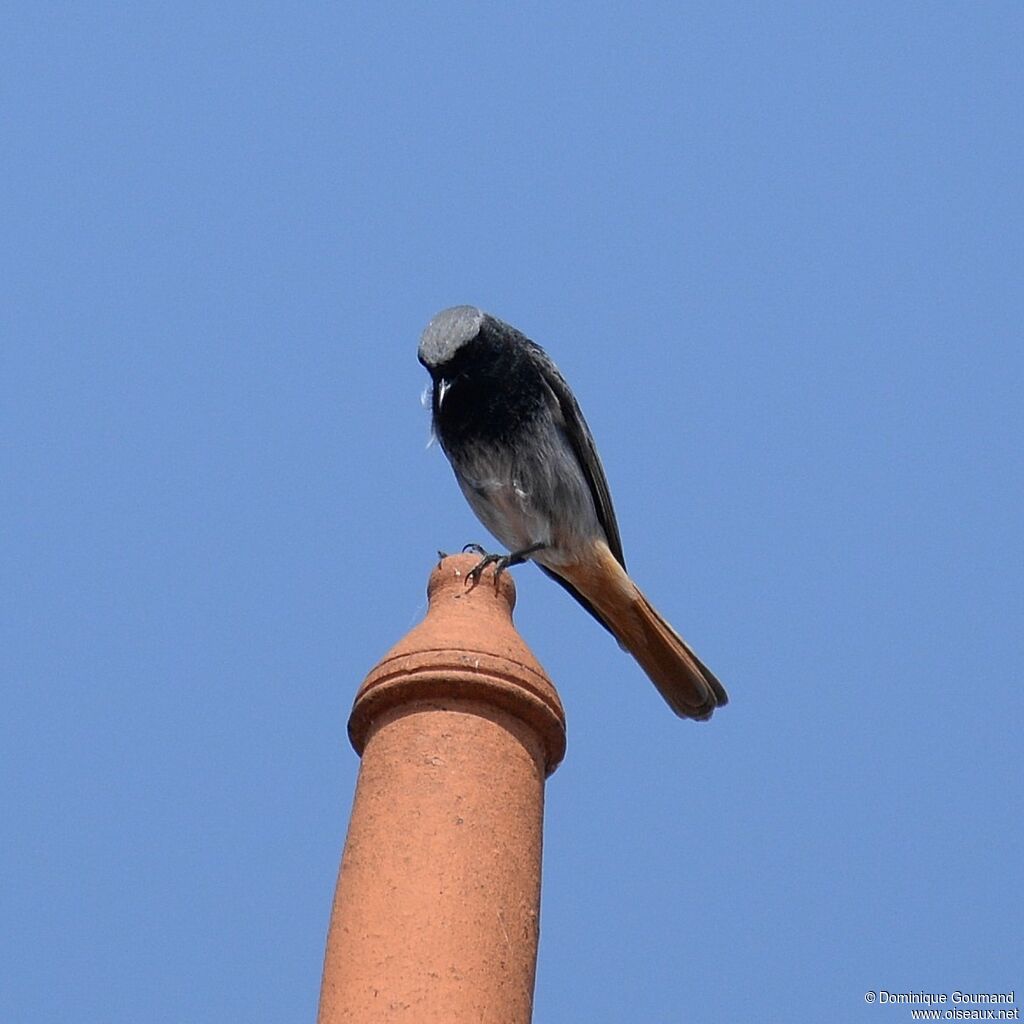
688,686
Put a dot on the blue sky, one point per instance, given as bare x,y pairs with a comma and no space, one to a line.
776,249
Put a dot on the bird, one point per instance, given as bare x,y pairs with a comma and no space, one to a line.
526,462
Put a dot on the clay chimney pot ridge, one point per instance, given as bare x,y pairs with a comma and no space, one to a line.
436,910
466,647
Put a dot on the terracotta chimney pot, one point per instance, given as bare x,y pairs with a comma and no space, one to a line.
435,915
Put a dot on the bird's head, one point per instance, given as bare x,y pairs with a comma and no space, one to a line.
447,343
447,335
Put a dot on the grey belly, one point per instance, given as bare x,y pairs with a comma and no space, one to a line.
531,492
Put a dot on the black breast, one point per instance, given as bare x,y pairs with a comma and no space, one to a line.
494,390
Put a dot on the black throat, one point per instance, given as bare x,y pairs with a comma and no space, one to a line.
492,390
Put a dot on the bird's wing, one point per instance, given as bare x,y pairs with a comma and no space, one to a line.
582,441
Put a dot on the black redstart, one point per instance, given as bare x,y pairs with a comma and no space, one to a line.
526,462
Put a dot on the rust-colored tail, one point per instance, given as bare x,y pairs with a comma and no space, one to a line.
688,686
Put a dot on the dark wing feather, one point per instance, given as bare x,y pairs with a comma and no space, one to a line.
582,441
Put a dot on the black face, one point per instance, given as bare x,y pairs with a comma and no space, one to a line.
488,390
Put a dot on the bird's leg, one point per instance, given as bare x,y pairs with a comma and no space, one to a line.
517,557
500,562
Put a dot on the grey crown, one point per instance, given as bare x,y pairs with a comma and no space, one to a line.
448,332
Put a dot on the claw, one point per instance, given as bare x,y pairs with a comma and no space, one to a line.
475,572
500,562
475,548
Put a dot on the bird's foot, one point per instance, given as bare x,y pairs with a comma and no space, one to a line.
475,548
500,562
